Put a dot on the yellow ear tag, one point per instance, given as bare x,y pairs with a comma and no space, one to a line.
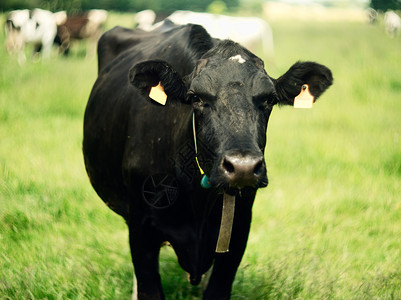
157,94
304,99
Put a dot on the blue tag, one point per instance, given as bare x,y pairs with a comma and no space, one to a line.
205,182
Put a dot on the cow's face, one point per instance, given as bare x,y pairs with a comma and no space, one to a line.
232,97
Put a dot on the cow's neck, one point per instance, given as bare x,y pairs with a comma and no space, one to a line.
183,144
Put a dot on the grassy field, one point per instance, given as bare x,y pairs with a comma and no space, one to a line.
327,227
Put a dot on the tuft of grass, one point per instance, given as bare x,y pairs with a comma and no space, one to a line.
327,227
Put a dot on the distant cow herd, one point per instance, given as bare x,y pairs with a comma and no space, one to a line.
43,29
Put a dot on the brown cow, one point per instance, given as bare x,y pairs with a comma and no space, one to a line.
88,25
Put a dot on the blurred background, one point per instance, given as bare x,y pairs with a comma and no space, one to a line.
328,226
171,5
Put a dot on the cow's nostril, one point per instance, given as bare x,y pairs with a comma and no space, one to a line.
228,166
258,170
243,170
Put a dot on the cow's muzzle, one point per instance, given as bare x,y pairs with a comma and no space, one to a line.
241,171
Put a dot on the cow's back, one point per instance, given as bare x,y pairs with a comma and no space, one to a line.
114,42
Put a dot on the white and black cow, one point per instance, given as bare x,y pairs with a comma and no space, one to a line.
392,23
146,160
36,27
250,32
145,19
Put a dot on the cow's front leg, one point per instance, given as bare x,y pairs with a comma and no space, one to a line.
226,264
145,248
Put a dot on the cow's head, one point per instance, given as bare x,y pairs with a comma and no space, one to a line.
232,97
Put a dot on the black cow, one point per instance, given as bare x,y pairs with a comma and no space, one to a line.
141,158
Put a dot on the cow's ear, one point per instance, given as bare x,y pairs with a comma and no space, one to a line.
148,74
289,85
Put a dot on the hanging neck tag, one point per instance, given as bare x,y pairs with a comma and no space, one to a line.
226,225
157,94
304,99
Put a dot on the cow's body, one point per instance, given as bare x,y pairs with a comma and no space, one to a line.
88,25
145,19
250,32
131,144
36,27
392,23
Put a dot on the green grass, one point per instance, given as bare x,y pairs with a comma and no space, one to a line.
327,227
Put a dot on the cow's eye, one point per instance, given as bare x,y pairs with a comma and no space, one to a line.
265,102
197,100
267,105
